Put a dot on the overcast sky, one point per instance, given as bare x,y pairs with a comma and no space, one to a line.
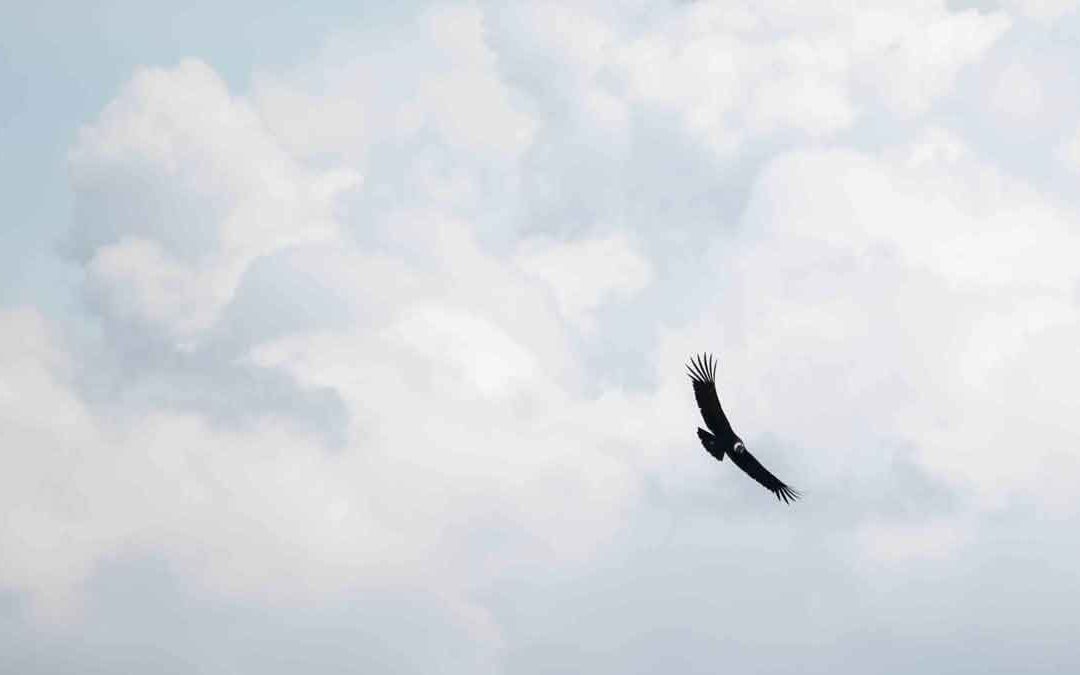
349,337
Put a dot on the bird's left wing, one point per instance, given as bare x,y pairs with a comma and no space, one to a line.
702,371
753,468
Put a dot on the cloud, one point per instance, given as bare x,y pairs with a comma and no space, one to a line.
1042,10
197,322
583,274
1069,152
912,58
439,412
80,489
1018,94
204,191
737,72
444,82
921,302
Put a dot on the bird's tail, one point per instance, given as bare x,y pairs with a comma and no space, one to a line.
711,444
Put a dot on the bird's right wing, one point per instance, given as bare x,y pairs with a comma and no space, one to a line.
753,468
702,371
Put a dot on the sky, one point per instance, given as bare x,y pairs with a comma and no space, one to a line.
350,337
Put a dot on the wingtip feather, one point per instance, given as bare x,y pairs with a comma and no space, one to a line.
702,367
789,494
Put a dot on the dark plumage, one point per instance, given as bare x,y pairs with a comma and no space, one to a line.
723,440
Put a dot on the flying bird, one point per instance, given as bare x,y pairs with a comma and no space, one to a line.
723,440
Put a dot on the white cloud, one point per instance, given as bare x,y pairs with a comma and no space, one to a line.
485,355
907,301
248,511
895,315
182,188
730,72
44,505
437,331
436,73
583,274
740,72
1042,10
469,103
1018,94
910,59
1069,152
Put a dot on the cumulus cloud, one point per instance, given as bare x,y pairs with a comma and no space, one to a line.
922,301
583,274
180,187
399,330
1018,94
911,58
1042,10
435,75
735,72
234,296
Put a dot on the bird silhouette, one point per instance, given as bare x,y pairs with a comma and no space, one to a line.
723,440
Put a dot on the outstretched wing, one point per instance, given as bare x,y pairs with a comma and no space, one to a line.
702,371
748,463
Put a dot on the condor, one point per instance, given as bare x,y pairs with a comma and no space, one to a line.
723,440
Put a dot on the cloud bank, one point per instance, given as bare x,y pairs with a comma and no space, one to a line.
380,359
